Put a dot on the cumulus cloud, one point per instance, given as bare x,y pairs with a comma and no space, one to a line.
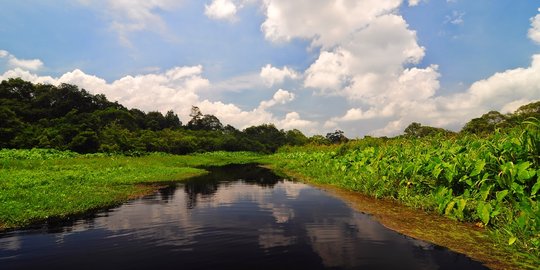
370,56
272,75
293,121
503,91
24,64
221,10
330,71
499,90
280,97
326,23
369,64
534,31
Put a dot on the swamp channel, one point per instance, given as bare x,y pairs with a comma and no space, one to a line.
235,217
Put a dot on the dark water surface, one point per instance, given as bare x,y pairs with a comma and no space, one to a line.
238,217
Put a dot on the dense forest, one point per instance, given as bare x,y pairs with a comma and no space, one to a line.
65,117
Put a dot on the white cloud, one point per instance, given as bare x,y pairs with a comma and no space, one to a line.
499,90
534,31
293,121
272,75
221,10
504,92
330,71
280,97
33,64
24,64
369,64
413,3
514,105
356,114
326,23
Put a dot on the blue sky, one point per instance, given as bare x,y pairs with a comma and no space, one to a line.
363,66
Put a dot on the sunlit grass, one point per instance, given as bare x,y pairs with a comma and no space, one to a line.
39,184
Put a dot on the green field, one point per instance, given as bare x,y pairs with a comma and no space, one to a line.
39,184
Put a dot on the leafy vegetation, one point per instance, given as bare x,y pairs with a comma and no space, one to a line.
39,184
492,180
65,117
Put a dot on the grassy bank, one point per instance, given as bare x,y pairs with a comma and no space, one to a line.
39,184
490,181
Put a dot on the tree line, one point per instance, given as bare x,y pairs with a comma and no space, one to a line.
484,125
65,117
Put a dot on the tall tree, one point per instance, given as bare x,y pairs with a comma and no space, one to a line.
487,123
337,136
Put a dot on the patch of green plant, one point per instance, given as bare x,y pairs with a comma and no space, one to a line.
492,180
38,184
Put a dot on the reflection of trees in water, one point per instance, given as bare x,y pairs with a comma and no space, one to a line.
193,190
208,185
167,194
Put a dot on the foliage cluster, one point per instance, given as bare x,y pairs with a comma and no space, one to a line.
38,184
65,117
493,180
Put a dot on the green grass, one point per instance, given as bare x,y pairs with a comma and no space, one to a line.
492,181
39,184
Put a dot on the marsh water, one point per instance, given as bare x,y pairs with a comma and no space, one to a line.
237,217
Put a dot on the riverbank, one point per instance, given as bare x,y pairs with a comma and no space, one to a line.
490,184
462,237
39,184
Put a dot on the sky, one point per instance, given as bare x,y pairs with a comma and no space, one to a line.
367,67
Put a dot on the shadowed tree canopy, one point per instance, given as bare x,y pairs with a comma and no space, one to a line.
66,117
416,130
267,135
337,136
203,122
529,110
487,123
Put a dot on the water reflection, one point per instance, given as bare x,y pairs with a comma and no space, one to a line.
238,217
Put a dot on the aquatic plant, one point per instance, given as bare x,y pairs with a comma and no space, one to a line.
492,180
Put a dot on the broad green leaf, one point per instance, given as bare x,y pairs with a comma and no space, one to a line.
484,212
484,191
461,204
501,194
526,174
449,208
478,167
512,240
536,187
523,165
